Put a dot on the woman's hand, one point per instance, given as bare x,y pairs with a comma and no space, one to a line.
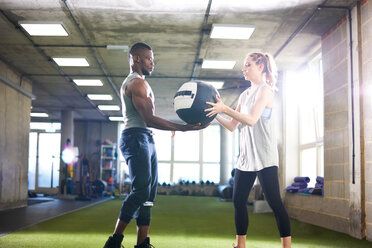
216,108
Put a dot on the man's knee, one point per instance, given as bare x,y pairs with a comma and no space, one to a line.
142,194
144,214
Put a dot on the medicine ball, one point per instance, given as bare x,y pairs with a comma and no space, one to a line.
189,101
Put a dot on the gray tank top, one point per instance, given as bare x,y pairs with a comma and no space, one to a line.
258,144
130,114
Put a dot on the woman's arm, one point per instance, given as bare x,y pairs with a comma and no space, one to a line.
228,124
264,98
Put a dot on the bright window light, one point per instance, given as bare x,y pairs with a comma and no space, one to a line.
71,61
99,97
88,82
109,107
218,64
115,118
38,29
48,126
216,84
239,32
39,115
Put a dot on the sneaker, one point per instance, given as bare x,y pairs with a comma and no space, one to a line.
114,241
145,244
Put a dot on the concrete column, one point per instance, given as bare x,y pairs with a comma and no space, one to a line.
225,155
67,132
67,127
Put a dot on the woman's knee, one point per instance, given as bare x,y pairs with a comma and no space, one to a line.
278,208
239,203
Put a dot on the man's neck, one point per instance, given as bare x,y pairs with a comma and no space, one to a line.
139,73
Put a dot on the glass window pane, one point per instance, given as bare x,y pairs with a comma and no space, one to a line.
211,172
32,150
211,144
307,123
186,171
309,165
49,150
186,146
320,119
163,144
164,173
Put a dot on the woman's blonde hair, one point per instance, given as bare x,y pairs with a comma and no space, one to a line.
270,70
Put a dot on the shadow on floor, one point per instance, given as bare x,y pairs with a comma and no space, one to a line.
40,209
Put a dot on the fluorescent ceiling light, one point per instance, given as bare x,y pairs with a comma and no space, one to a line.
99,97
108,107
218,64
239,32
88,82
216,84
39,115
117,47
45,29
71,61
115,118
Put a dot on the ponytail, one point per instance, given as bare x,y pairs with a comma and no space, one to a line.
270,71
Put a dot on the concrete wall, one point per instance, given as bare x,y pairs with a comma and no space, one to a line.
366,66
343,208
14,134
332,210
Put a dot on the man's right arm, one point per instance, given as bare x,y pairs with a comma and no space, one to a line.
145,107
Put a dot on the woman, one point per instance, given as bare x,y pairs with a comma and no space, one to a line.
258,148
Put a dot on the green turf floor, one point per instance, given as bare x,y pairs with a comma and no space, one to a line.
178,222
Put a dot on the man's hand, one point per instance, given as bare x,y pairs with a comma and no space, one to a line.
194,127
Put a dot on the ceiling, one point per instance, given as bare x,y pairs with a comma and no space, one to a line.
178,32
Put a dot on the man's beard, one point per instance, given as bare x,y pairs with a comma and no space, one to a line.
146,72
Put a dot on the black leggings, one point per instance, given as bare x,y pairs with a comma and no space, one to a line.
243,182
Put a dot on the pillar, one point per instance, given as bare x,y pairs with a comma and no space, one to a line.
225,155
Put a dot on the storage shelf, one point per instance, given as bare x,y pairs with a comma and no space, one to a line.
108,163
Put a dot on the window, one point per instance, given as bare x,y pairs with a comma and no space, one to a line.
186,146
44,160
311,121
163,141
211,172
164,173
211,144
48,166
32,154
190,156
186,172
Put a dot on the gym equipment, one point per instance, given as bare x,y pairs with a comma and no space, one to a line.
98,186
85,187
225,191
189,102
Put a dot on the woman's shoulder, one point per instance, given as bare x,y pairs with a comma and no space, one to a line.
266,90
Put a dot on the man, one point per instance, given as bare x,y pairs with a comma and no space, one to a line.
137,145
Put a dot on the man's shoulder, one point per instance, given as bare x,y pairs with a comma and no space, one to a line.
136,82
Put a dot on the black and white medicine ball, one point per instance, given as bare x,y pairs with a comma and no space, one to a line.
189,101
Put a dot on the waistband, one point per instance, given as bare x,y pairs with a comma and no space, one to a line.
137,130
